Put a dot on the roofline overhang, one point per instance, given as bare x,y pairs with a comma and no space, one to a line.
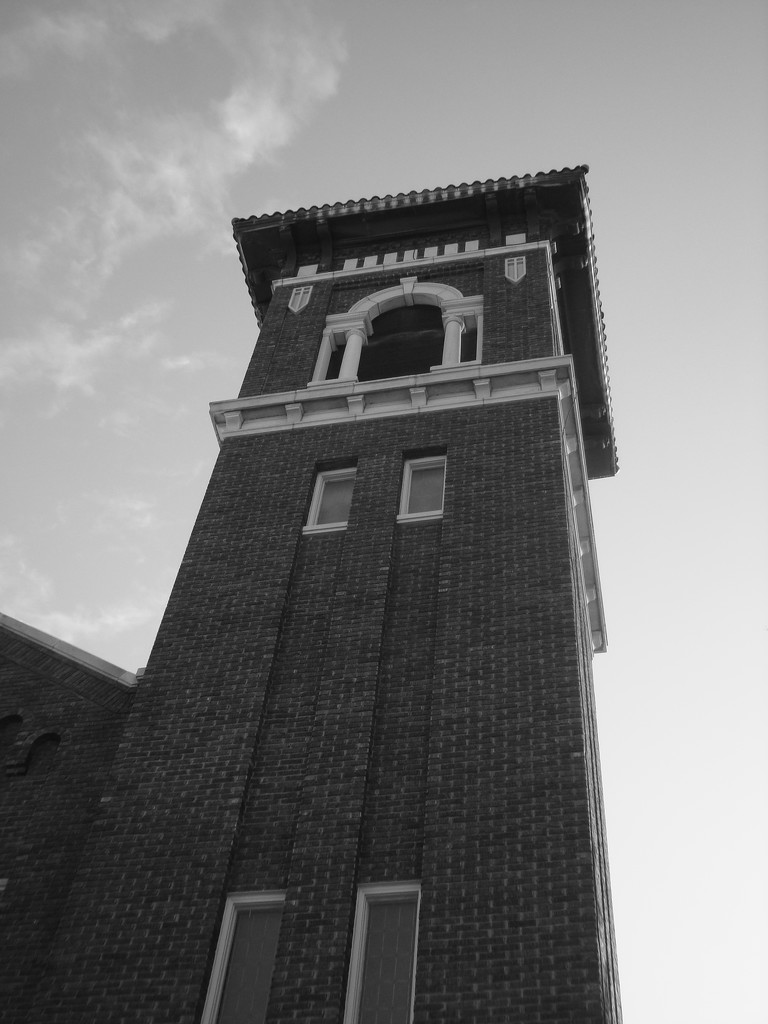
273,247
90,663
402,200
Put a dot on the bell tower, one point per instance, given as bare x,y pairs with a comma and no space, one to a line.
360,779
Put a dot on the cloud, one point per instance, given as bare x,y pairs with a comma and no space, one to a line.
18,579
183,363
170,175
142,164
158,21
83,624
27,595
120,422
75,34
80,33
194,361
121,512
57,355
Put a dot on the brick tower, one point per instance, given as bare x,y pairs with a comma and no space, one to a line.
359,782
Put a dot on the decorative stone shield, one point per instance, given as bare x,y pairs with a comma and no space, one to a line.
514,269
299,298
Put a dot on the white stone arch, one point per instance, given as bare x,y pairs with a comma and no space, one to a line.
352,329
409,292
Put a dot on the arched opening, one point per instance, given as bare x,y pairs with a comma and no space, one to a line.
42,753
404,340
407,329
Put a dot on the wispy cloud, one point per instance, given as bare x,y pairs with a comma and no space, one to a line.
58,355
193,362
122,512
157,20
122,422
27,594
138,170
78,33
170,175
124,516
20,583
72,33
82,624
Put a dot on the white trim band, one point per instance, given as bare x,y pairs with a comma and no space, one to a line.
458,387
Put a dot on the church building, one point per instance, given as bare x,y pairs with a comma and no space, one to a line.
358,781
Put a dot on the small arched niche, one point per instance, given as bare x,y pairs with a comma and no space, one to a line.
42,754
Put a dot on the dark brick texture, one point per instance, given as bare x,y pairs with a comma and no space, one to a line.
392,701
517,318
389,702
47,806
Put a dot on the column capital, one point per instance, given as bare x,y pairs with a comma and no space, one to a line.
339,326
453,317
355,337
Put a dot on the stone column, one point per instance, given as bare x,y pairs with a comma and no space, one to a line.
323,359
356,338
454,326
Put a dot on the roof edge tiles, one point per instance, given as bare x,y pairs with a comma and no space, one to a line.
553,204
403,199
60,648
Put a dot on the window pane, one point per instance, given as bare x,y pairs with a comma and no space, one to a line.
426,494
388,963
336,500
249,973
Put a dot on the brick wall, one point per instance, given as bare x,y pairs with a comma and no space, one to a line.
389,702
517,322
517,316
46,809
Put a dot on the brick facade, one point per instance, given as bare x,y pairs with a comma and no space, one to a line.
63,721
390,702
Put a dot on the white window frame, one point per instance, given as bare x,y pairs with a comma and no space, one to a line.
314,509
375,892
423,463
236,901
407,293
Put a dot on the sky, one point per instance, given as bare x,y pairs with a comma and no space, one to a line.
133,133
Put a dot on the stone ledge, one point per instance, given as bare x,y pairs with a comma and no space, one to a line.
464,386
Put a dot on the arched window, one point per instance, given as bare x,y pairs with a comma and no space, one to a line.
42,753
404,340
410,328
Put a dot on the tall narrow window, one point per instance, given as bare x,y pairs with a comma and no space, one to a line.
382,969
245,957
331,501
423,487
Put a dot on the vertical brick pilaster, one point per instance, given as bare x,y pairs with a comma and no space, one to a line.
310,972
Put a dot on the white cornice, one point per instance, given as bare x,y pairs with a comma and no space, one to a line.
412,265
465,386
334,401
